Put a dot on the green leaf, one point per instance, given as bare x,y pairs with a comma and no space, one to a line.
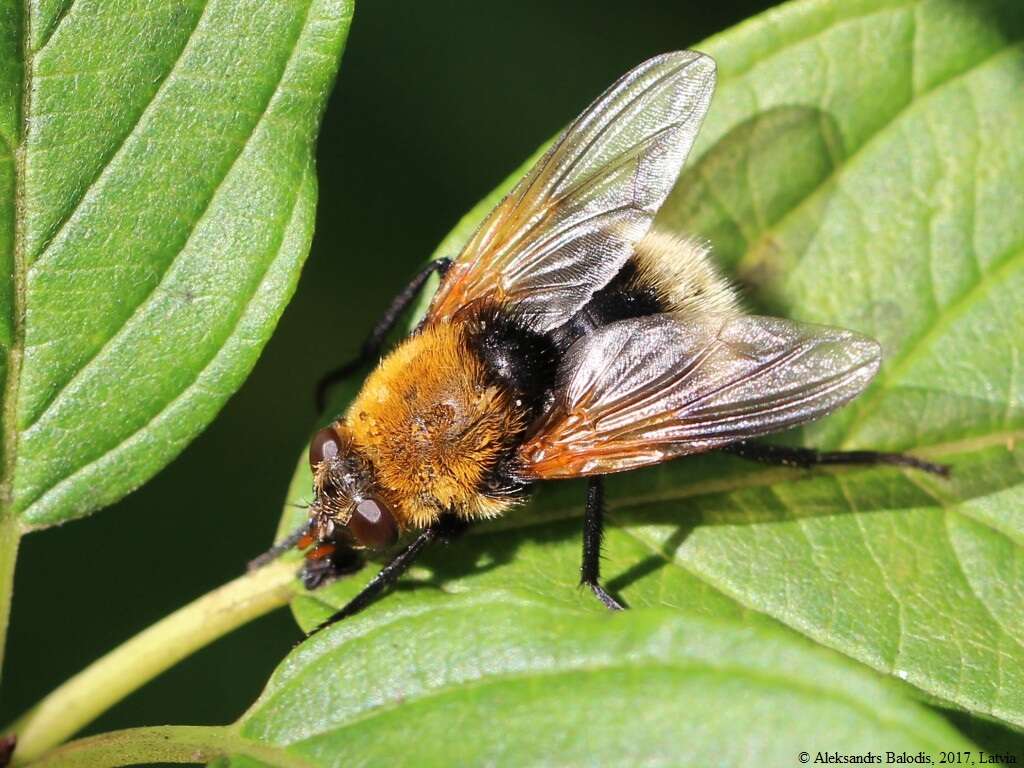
158,189
215,745
503,679
860,166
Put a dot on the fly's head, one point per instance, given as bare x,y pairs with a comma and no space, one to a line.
346,506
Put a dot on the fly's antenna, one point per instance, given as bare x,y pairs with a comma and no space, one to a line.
286,544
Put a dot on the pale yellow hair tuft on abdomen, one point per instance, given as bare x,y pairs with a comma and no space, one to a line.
682,273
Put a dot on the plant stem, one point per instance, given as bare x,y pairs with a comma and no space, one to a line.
10,536
163,744
106,681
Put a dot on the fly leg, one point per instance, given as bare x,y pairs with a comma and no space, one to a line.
805,458
443,530
327,562
323,563
372,346
593,533
287,544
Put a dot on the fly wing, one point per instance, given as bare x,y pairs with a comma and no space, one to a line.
570,224
642,391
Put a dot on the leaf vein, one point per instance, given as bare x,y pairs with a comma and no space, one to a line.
1004,631
880,132
140,306
177,398
894,661
61,224
55,25
998,271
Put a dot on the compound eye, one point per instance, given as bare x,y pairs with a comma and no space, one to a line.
325,445
372,524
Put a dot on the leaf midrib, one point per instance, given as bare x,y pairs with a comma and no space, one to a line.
766,478
9,417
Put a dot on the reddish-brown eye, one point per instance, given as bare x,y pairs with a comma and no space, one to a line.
372,524
325,445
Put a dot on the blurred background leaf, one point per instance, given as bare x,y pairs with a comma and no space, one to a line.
884,198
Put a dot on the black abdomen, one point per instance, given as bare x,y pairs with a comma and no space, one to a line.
626,296
525,362
521,361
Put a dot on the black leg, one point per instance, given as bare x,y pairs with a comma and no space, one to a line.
809,457
372,346
284,545
593,533
318,568
445,529
317,571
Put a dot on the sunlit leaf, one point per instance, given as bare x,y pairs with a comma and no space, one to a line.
861,166
156,173
497,678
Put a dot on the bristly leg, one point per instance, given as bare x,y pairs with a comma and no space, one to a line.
371,348
323,564
593,534
806,458
286,544
327,562
445,529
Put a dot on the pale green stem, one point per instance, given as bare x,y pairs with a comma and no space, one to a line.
106,681
10,535
163,744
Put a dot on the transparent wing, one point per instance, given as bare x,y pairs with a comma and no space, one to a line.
642,391
570,224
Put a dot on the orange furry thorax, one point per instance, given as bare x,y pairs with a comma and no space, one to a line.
434,427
